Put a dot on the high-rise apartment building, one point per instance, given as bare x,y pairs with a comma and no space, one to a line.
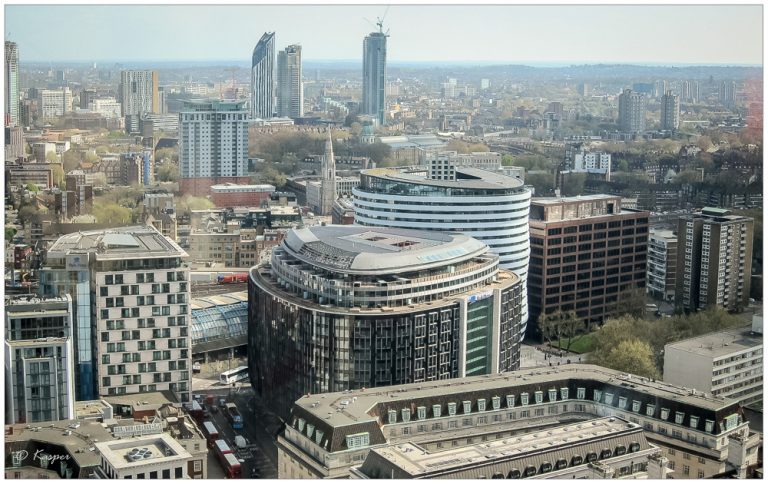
586,254
39,359
139,92
662,264
727,93
131,310
11,84
699,435
490,207
374,75
213,145
290,89
262,77
631,111
54,102
714,260
362,307
670,111
694,92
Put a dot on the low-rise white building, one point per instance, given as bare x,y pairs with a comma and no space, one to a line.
107,107
727,364
150,457
597,162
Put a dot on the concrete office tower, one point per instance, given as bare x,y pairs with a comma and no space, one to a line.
694,92
631,112
11,84
263,77
660,88
727,364
290,89
700,435
131,310
714,260
364,307
490,207
39,359
213,145
54,102
727,94
670,111
662,264
374,75
586,253
139,92
87,96
328,182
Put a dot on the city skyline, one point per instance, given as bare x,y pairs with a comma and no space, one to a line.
44,34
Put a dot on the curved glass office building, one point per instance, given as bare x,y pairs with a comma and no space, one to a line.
487,206
346,307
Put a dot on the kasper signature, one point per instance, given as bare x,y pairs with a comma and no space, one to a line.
39,455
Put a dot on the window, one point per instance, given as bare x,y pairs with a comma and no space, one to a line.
694,421
421,413
679,416
406,413
524,398
650,409
552,395
671,452
702,460
701,474
597,395
179,474
622,403
153,474
564,394
467,405
635,405
686,456
496,403
581,393
451,409
664,413
481,405
686,470
510,401
392,416
672,465
609,398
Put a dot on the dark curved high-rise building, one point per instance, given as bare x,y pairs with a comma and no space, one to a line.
346,307
263,77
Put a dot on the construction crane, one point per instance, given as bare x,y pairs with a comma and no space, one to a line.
380,22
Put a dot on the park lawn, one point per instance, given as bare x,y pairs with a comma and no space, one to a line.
583,343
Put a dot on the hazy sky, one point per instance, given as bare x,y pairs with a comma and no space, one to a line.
700,34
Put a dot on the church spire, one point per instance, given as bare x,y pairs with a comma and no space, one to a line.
328,182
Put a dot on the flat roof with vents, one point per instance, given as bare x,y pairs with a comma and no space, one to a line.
140,241
140,451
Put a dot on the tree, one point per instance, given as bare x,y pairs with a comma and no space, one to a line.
573,184
704,143
559,325
687,177
32,187
10,232
70,160
168,172
51,156
632,356
188,202
28,214
271,176
57,173
92,157
543,183
167,154
111,213
377,152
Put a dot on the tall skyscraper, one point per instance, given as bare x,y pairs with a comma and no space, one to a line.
263,77
670,111
213,145
328,182
631,111
694,92
375,75
11,84
138,91
714,260
131,310
290,89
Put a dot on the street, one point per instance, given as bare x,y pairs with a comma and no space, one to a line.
259,429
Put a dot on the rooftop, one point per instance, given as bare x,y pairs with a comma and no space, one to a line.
578,198
721,343
365,401
242,188
601,433
466,177
140,241
360,249
219,300
156,449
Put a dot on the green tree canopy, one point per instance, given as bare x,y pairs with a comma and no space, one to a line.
111,213
632,356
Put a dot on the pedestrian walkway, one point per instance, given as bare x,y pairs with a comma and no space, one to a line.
540,356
